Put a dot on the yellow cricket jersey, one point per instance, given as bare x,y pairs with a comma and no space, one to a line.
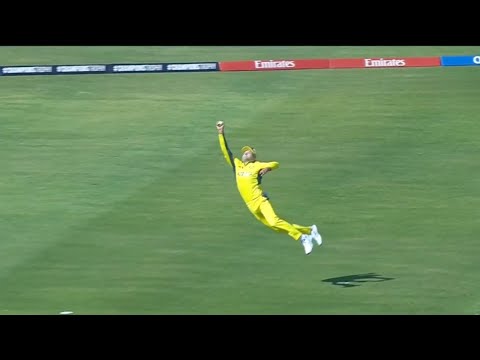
246,175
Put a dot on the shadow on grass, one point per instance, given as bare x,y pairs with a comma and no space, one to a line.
356,280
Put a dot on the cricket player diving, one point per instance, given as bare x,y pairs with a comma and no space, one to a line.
248,176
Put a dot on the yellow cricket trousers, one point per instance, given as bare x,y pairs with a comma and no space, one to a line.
262,209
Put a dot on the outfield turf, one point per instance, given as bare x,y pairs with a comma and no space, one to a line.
115,197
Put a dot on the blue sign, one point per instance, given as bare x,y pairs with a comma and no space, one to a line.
470,60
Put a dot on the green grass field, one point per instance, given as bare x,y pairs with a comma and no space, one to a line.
115,197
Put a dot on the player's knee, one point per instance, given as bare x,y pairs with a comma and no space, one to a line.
273,221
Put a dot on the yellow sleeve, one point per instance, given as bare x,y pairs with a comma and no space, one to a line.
272,165
225,150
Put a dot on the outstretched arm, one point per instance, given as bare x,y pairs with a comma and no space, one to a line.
223,144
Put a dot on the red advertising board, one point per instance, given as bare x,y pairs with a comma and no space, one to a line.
384,62
269,65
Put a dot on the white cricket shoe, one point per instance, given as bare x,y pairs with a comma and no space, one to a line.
307,243
316,235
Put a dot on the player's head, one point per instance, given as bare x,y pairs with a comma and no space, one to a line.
248,154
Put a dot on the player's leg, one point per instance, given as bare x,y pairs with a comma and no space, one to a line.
259,216
276,222
303,229
310,230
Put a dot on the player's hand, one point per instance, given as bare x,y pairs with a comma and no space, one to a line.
264,171
220,126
